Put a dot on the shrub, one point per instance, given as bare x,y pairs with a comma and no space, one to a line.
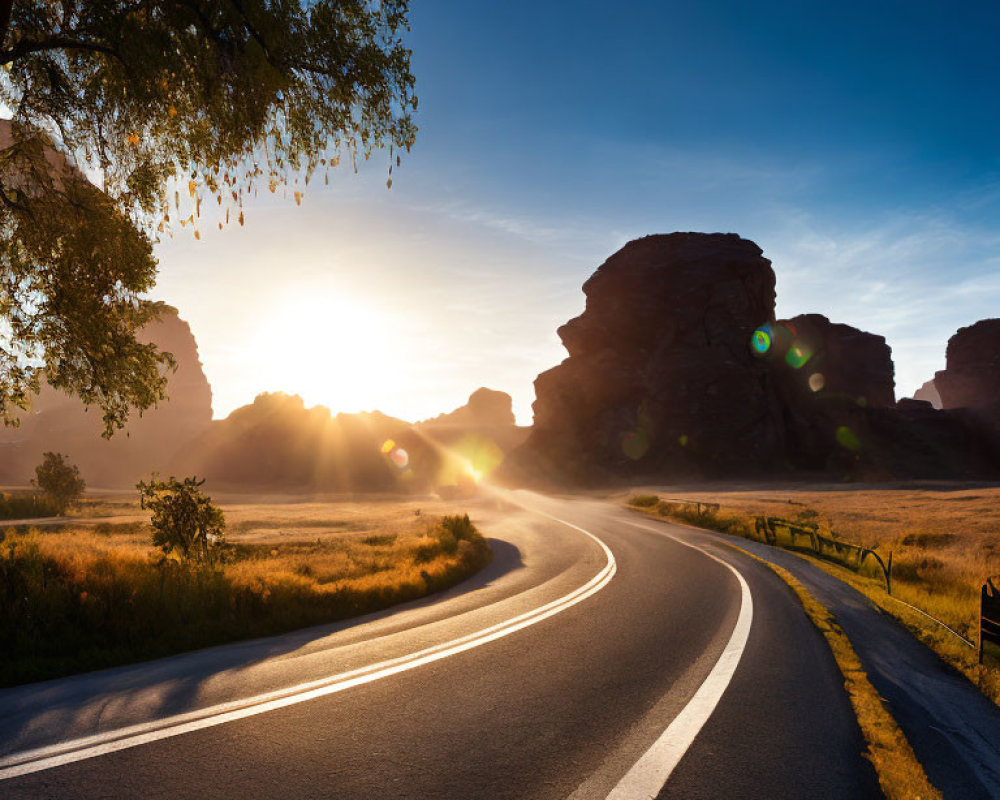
59,482
184,520
643,500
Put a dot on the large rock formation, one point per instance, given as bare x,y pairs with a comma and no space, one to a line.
149,442
660,371
677,368
971,379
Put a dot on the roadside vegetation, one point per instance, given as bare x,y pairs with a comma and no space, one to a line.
900,773
944,543
25,506
75,597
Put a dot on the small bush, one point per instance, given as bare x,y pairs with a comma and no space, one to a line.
184,520
928,540
59,482
643,500
460,527
382,540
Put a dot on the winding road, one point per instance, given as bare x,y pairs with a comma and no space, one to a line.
600,655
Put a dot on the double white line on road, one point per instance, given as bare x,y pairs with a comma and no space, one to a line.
649,774
67,752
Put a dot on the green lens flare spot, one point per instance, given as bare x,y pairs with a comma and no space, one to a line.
847,439
797,356
635,444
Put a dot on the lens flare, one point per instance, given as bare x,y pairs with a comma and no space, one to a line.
635,444
400,457
817,381
683,439
760,341
847,439
798,356
388,446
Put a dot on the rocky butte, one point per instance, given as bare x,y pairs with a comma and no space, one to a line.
677,367
149,442
971,379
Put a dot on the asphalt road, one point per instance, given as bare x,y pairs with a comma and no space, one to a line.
553,674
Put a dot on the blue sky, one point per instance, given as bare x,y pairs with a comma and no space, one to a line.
857,143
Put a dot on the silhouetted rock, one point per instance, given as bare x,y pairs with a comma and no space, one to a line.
928,392
486,407
677,369
276,443
470,442
149,442
830,358
660,372
825,375
971,379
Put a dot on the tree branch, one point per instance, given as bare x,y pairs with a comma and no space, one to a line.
27,46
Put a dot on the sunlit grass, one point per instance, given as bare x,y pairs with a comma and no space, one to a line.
75,598
944,544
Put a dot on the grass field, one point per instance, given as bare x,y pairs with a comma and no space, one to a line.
79,596
945,541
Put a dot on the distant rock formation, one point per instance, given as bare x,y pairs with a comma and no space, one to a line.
486,407
928,393
971,379
678,368
471,441
277,443
149,442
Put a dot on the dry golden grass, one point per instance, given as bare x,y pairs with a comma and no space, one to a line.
88,595
944,541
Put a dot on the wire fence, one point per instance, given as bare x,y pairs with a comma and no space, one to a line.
989,623
805,537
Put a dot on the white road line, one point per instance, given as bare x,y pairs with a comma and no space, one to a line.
650,773
28,761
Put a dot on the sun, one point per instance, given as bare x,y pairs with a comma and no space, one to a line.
331,349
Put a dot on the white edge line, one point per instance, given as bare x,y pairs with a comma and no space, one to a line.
36,760
649,774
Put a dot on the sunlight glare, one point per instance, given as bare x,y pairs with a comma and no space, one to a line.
329,349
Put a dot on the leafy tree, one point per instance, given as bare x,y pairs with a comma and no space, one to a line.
167,104
183,519
59,482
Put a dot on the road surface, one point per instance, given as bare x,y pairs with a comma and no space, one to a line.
599,656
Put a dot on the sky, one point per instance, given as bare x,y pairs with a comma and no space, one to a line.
858,143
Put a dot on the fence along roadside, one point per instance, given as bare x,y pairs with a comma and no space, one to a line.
989,623
853,556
